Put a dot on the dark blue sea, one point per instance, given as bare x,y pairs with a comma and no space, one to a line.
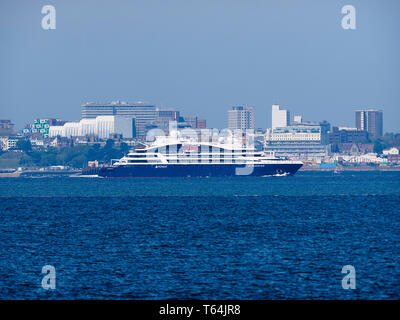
202,238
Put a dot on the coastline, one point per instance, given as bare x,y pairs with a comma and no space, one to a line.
340,169
72,173
38,173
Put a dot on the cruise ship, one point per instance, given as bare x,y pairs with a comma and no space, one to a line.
174,156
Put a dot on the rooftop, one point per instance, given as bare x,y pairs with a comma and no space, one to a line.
118,103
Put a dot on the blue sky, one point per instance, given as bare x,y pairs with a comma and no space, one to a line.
201,57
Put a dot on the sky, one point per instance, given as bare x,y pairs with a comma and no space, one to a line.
201,57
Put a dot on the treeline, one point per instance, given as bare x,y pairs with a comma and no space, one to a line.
387,141
73,156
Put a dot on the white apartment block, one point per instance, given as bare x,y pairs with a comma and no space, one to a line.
280,117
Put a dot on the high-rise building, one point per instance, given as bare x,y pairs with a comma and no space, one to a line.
201,124
143,113
163,117
169,118
241,117
6,128
167,114
191,121
195,123
280,117
370,121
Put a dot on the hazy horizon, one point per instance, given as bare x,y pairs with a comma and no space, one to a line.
202,58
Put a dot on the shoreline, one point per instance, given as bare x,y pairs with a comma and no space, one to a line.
38,173
341,169
72,173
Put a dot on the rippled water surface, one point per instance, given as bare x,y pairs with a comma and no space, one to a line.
215,238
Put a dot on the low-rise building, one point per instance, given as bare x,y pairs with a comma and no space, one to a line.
391,151
101,126
354,148
393,158
37,142
347,135
8,143
369,158
392,155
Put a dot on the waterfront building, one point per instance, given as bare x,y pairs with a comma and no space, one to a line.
370,121
391,151
299,141
101,126
360,159
349,148
6,128
241,117
143,113
393,159
392,155
304,140
280,117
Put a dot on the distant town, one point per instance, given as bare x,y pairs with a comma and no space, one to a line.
110,130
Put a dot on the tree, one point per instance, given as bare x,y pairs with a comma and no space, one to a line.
335,148
24,145
124,148
378,147
48,159
109,144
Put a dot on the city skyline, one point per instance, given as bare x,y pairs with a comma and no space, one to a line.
297,55
289,115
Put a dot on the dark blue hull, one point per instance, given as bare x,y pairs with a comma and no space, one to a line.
197,170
